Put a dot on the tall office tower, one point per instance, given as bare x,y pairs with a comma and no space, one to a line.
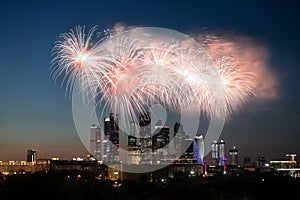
111,132
218,152
214,153
31,155
107,157
198,148
134,150
233,156
221,150
261,161
114,128
160,140
179,139
188,155
95,142
145,124
145,138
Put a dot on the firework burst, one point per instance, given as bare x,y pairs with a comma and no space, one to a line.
136,68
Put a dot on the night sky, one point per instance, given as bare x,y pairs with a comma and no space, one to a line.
34,112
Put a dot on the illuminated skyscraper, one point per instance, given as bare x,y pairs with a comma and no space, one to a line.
145,138
145,124
160,140
179,139
218,152
221,149
95,142
31,155
189,152
233,156
111,132
198,145
214,153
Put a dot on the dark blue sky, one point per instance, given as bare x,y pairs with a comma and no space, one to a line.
34,112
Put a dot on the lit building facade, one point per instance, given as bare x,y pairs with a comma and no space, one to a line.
198,148
96,142
160,140
31,155
218,152
111,141
291,156
179,139
145,138
233,156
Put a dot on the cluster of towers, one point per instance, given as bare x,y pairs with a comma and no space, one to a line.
144,144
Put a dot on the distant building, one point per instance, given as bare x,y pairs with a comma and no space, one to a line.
261,161
111,140
97,169
198,148
218,152
31,155
145,124
17,167
134,150
160,140
291,157
233,156
96,142
145,138
188,155
179,139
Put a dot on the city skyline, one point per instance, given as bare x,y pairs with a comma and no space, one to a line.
99,147
36,114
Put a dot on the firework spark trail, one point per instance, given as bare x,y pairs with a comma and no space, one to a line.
136,68
76,59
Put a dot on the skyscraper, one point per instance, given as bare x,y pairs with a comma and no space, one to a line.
145,138
179,139
214,153
189,152
145,124
95,142
221,148
160,140
198,145
111,132
233,156
31,155
218,152
132,140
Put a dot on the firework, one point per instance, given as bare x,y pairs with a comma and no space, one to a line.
132,69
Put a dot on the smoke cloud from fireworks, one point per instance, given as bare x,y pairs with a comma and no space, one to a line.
247,55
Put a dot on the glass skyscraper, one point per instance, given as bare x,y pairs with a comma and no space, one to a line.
96,142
